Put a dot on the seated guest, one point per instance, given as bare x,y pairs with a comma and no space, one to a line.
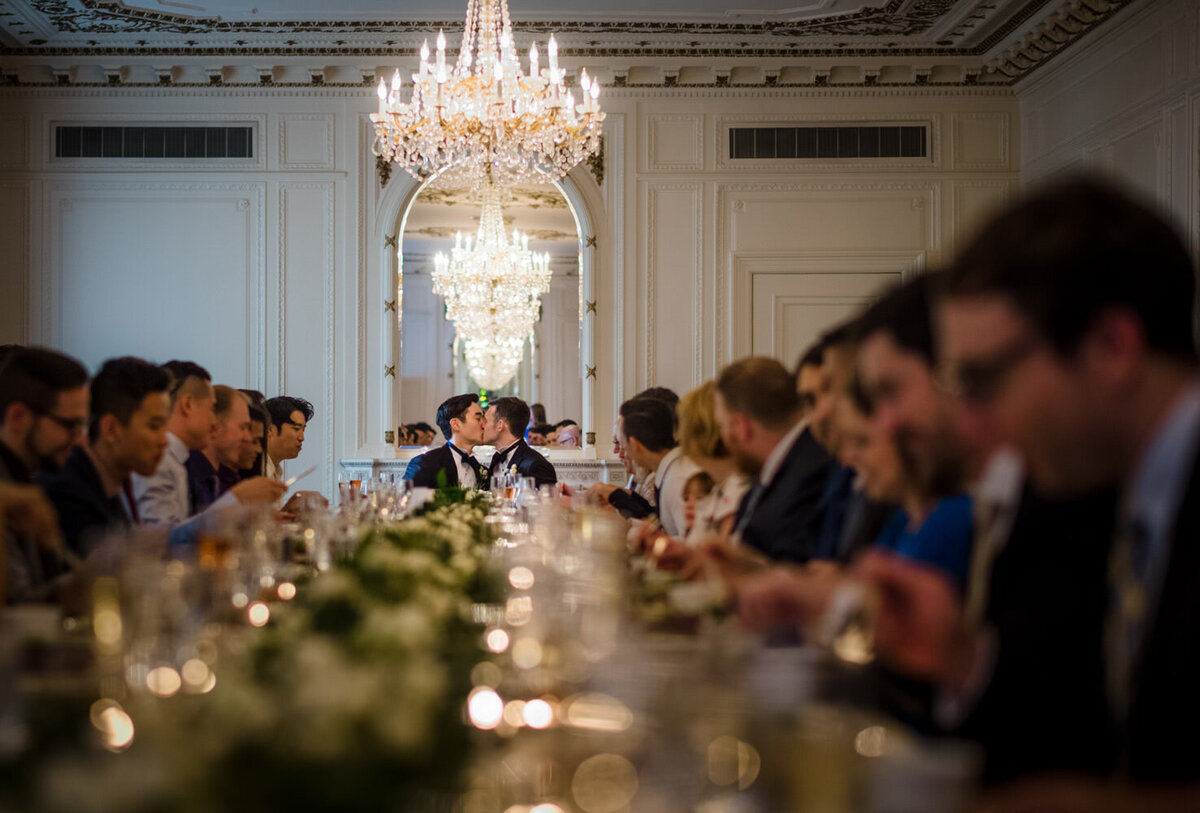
896,358
700,439
259,420
636,499
880,485
1069,326
164,498
648,434
462,424
212,471
666,395
838,349
569,437
503,429
285,435
252,463
758,411
425,434
127,434
698,487
538,434
43,411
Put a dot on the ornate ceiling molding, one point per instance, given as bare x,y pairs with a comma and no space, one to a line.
980,42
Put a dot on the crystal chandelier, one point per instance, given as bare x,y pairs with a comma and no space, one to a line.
492,287
486,119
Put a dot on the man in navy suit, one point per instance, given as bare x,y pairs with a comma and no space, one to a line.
758,411
504,428
127,433
461,421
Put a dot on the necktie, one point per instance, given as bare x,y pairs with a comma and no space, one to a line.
1128,566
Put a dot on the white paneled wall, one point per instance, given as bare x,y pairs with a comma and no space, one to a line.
1126,102
276,272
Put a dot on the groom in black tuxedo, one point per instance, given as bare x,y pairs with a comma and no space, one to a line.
461,422
504,428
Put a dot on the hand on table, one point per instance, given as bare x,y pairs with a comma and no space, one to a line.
26,510
599,492
920,627
785,595
259,489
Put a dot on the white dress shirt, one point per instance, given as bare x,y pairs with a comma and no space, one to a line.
466,474
274,470
163,498
670,477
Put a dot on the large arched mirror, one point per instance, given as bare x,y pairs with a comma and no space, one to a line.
433,362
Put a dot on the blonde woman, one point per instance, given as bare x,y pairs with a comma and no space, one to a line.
700,439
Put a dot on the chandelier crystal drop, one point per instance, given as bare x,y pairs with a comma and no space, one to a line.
486,119
492,287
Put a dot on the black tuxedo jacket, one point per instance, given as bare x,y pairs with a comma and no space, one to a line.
1045,707
529,463
85,512
1166,699
423,469
786,521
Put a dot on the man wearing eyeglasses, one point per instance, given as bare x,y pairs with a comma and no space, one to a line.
43,410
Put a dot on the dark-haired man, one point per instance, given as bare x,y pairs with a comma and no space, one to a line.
164,498
758,412
43,411
461,421
504,428
127,434
648,436
285,435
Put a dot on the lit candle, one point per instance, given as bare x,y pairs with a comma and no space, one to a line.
533,61
552,47
441,50
381,91
425,57
584,81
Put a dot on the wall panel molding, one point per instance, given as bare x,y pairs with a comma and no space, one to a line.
14,142
885,197
306,141
15,244
672,142
654,193
247,199
981,141
323,264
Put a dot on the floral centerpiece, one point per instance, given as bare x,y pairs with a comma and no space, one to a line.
350,698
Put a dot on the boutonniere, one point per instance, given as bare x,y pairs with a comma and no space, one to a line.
512,469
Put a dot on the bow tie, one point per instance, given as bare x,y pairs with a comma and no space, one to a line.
480,472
